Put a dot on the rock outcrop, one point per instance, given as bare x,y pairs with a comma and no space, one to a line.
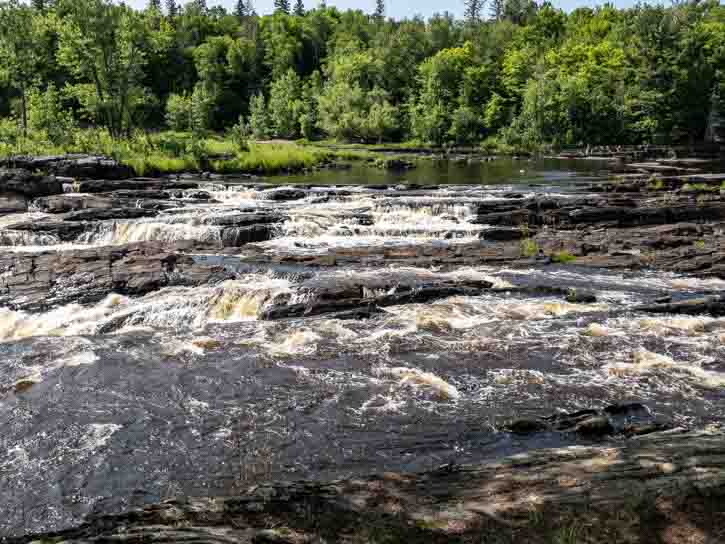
38,280
75,166
18,181
669,484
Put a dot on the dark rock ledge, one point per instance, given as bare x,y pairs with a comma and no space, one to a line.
39,280
662,488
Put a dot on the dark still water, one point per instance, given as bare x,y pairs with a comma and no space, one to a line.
467,171
189,391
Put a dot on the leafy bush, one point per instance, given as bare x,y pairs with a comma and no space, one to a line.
178,112
47,116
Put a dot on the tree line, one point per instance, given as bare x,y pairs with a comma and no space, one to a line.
513,71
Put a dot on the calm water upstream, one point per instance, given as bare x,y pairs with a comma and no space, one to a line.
185,391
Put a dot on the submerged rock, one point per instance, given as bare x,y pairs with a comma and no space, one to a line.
527,426
283,194
629,419
395,164
595,426
714,305
579,296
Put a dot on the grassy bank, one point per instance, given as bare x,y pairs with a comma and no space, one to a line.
170,152
176,152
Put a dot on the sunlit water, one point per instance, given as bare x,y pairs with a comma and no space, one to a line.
185,391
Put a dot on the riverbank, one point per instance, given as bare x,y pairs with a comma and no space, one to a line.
161,153
169,152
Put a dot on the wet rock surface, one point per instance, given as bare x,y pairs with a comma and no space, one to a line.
679,469
36,281
630,419
191,336
27,183
76,166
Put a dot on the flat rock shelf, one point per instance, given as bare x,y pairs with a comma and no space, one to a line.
645,490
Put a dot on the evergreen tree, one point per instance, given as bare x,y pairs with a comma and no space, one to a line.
379,9
473,10
299,7
200,5
154,5
281,5
240,10
39,5
172,8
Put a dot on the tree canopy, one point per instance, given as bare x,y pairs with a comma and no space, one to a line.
524,73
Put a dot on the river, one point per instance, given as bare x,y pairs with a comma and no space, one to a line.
130,399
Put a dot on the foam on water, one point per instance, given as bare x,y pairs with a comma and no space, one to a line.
72,319
421,379
169,308
27,238
399,217
13,218
138,231
645,362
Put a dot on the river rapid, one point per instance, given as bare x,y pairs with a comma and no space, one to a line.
193,390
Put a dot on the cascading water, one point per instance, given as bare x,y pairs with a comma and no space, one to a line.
317,353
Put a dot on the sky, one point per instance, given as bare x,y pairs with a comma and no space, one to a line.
396,9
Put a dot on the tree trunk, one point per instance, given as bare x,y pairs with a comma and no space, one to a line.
24,112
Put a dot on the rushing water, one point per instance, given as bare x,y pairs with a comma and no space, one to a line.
185,391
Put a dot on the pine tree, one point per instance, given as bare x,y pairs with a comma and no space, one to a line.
250,9
172,8
299,7
39,5
281,5
240,10
154,5
473,10
379,9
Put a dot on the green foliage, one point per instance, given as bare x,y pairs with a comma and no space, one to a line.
21,49
201,108
273,159
529,248
46,115
239,134
105,45
532,77
178,112
655,184
259,121
562,257
285,105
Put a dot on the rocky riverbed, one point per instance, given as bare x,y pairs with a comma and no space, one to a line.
189,336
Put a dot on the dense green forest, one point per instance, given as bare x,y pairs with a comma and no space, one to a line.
512,72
